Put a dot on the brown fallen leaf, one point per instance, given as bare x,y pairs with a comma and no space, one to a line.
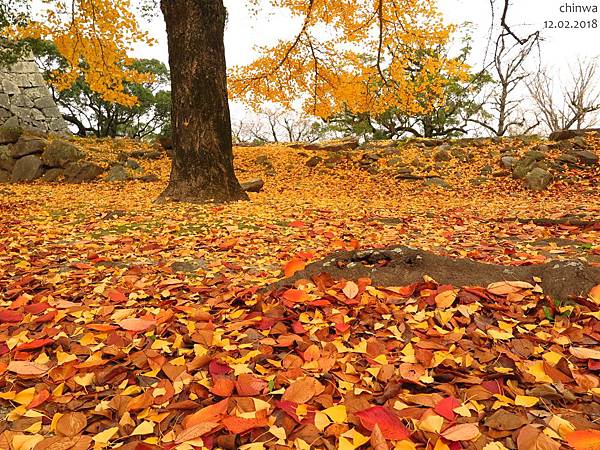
532,438
27,368
505,421
195,431
71,424
302,390
377,440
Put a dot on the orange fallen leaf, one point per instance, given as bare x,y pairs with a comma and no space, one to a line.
295,265
584,439
135,324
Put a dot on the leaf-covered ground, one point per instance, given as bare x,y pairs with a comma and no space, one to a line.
127,324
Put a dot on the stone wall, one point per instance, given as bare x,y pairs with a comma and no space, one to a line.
25,98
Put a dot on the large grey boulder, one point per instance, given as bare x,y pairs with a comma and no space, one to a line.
60,153
7,162
254,185
508,162
4,176
29,145
53,175
523,166
587,157
538,179
9,134
27,168
82,172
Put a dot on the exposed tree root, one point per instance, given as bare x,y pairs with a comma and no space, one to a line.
574,221
397,266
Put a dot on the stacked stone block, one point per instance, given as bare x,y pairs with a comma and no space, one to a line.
25,96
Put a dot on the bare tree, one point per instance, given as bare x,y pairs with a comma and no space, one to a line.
578,102
509,72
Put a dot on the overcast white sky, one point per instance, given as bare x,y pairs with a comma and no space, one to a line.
559,49
560,46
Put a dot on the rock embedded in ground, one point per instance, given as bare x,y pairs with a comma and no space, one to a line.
508,162
442,155
567,158
132,164
149,178
59,153
82,172
587,157
117,173
27,168
436,181
53,175
254,185
314,161
538,179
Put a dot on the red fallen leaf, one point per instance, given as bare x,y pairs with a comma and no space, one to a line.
307,256
48,317
390,425
493,386
297,224
342,327
223,387
293,266
584,439
81,266
116,296
211,413
39,398
295,296
36,308
248,385
266,323
298,328
38,343
593,364
216,368
445,408
239,425
8,316
135,324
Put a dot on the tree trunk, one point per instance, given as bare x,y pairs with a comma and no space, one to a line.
202,168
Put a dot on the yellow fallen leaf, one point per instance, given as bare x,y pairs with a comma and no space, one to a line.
432,423
337,413
143,428
105,436
526,400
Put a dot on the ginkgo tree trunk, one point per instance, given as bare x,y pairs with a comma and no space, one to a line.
202,169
